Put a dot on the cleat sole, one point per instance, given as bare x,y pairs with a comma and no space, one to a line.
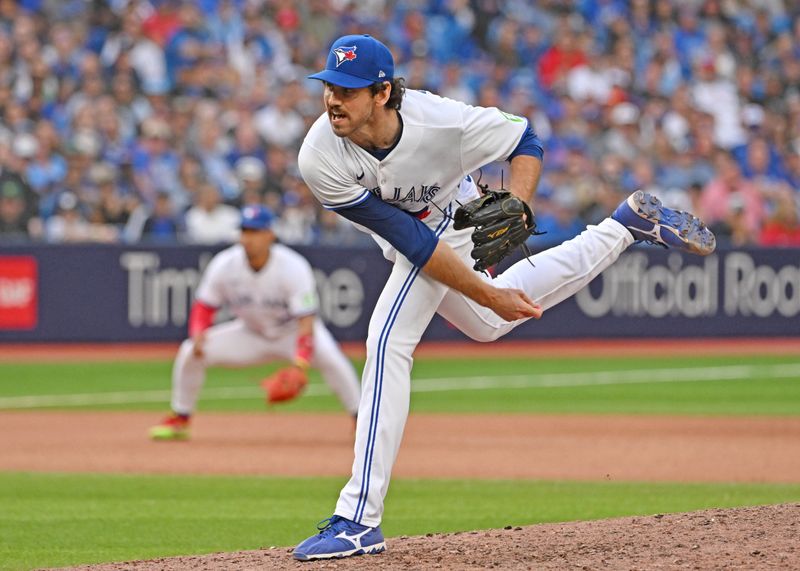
371,550
690,231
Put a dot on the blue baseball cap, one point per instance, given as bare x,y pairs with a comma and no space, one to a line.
357,61
257,217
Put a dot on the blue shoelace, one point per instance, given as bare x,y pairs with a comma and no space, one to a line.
326,526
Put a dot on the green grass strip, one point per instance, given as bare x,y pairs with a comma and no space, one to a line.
522,385
56,520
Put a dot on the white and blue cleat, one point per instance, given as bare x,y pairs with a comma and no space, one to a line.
340,537
650,221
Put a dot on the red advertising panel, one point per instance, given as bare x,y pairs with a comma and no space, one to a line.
19,297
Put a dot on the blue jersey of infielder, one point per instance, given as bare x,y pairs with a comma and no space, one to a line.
399,174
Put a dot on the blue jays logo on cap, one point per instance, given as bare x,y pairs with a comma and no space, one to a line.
367,61
257,217
344,53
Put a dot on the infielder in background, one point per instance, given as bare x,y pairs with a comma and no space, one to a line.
397,163
271,290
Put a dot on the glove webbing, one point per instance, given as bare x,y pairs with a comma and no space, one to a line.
524,246
485,190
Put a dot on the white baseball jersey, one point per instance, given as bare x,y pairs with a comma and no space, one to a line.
267,304
268,301
442,142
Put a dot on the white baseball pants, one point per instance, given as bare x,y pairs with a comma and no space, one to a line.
232,344
402,313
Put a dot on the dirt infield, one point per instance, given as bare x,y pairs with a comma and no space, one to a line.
642,448
744,538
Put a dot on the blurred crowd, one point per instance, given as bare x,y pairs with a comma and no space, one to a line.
155,120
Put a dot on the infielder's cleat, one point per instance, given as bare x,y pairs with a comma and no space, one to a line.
340,537
174,427
650,221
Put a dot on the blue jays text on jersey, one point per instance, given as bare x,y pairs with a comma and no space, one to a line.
424,193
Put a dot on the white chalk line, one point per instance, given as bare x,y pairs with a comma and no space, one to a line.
444,384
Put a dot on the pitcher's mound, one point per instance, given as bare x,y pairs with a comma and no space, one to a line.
743,538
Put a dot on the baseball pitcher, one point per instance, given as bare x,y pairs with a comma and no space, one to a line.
271,291
397,163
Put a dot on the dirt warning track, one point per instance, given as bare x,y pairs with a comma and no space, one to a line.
22,352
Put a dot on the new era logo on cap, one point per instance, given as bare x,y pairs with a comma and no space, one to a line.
357,61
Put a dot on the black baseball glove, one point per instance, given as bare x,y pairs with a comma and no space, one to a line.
497,217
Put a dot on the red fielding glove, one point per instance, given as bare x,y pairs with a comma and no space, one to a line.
285,384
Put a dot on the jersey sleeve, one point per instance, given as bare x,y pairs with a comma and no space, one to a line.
303,298
407,234
330,183
209,291
489,135
529,145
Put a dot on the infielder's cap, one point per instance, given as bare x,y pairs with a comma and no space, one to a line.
257,217
357,61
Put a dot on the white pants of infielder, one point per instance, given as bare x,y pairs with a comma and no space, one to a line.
402,313
233,344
